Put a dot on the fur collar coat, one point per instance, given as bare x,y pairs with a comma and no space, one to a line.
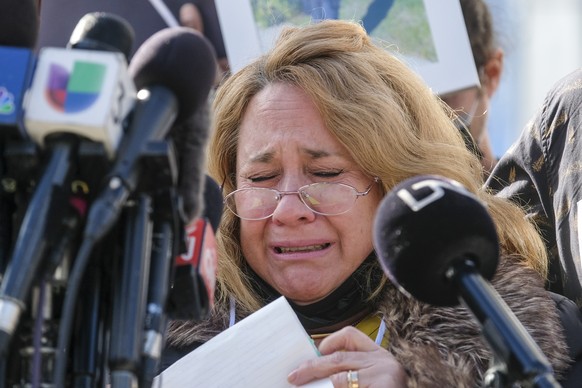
440,346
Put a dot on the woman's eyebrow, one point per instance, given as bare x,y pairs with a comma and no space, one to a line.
263,157
316,154
266,157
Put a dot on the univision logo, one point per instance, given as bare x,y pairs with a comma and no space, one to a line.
75,91
6,102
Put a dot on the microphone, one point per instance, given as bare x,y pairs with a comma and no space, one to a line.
436,241
70,92
174,287
83,92
174,71
436,221
190,139
192,293
18,34
184,289
103,31
16,68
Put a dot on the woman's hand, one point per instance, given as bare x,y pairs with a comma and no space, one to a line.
348,351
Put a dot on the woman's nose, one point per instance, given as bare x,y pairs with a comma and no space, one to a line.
291,209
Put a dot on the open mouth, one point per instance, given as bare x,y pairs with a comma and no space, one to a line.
308,248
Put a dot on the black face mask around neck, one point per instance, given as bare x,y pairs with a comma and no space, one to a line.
345,305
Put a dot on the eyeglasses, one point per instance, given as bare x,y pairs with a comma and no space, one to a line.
329,199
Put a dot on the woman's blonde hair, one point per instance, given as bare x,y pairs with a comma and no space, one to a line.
381,111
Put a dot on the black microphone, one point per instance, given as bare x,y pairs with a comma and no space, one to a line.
185,288
190,138
103,31
437,242
174,71
436,221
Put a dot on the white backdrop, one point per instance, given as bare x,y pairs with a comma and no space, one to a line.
543,42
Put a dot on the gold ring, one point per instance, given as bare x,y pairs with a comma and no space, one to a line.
353,381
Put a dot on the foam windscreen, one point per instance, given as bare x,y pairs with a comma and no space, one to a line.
423,227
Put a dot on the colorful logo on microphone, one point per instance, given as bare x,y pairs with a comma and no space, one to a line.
75,91
6,102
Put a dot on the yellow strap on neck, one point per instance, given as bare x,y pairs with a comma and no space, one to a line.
370,326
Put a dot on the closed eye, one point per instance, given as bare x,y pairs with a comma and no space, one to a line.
327,174
257,179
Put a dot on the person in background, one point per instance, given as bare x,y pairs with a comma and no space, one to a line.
201,15
488,58
541,171
472,105
307,140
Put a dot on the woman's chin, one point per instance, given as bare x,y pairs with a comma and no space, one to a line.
306,296
305,286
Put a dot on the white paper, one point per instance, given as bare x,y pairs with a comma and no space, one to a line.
259,351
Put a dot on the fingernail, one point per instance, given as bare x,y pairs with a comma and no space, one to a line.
292,376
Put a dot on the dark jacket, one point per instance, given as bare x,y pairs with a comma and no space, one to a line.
571,320
542,172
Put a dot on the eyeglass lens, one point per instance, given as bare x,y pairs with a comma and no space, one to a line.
324,198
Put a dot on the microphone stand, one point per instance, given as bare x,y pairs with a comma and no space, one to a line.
159,286
517,358
168,232
90,346
129,300
33,240
88,331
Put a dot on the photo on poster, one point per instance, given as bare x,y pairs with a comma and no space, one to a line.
429,35
402,26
